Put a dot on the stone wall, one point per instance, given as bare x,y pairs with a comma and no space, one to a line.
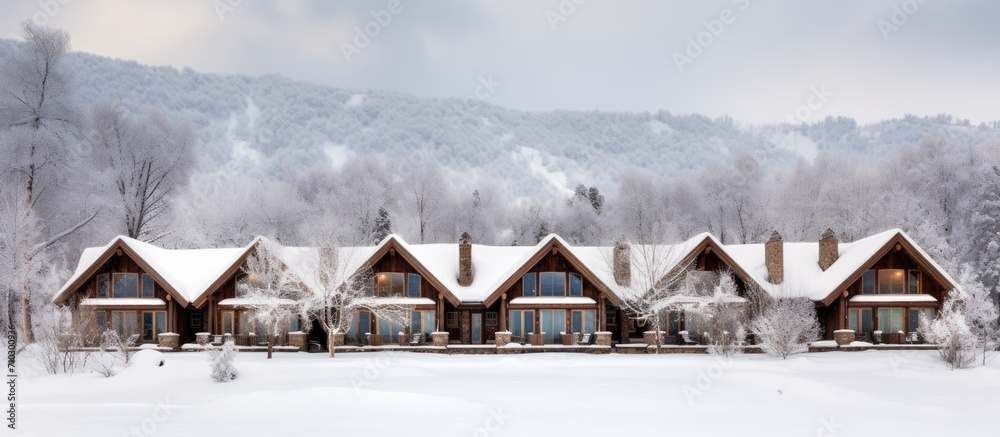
466,327
602,338
502,338
299,340
169,340
439,338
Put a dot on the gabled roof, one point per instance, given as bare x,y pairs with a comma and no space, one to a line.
667,257
804,277
529,258
184,274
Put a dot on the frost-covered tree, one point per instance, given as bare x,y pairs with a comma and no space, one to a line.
338,286
985,231
270,290
654,283
222,361
786,325
974,302
425,196
146,159
722,313
949,330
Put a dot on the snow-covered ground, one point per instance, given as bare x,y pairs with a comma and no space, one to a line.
819,394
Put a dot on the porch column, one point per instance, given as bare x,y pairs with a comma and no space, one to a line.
440,319
503,312
842,319
171,323
602,321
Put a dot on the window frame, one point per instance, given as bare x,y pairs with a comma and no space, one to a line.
534,285
142,286
116,277
491,319
157,325
866,276
541,284
451,319
409,282
912,274
579,282
890,319
389,290
107,285
888,284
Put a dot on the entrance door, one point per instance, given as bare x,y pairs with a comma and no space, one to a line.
477,328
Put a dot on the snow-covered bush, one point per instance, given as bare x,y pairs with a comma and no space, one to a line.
786,326
222,361
723,317
115,353
951,333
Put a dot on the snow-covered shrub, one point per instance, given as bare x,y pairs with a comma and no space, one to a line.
724,318
222,361
952,334
115,353
786,326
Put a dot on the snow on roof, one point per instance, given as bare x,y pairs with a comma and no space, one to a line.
243,301
128,301
190,272
644,258
406,301
803,276
556,300
883,298
491,266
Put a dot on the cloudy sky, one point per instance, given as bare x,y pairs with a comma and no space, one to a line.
756,60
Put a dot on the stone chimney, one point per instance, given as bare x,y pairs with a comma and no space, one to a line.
774,258
623,264
829,249
465,260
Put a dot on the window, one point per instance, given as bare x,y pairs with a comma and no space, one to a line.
914,282
390,284
584,321
552,284
452,319
674,323
522,323
528,284
611,316
890,320
102,285
491,319
916,314
293,324
413,285
124,323
422,322
360,327
868,282
864,316
125,285
148,285
154,323
389,330
890,281
227,322
101,320
553,322
575,285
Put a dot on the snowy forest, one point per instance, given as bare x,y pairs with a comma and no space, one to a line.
96,147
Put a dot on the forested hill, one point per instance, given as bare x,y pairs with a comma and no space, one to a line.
271,121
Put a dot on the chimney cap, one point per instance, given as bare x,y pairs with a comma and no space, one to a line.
775,237
828,234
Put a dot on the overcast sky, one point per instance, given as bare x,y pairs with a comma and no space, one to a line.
756,60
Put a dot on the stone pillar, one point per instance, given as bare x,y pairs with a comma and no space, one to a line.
502,338
439,338
503,312
466,326
170,340
465,260
649,337
829,249
622,268
843,337
299,339
774,258
404,339
203,338
602,338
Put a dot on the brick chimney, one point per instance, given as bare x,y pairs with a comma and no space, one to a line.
774,258
829,249
465,260
623,264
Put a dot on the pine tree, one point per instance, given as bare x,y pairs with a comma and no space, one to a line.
383,225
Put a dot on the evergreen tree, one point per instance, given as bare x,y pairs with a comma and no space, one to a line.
383,225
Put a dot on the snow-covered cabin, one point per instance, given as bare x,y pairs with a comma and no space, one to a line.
880,283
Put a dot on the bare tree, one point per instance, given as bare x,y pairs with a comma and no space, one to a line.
426,196
654,282
338,287
146,158
269,289
37,124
